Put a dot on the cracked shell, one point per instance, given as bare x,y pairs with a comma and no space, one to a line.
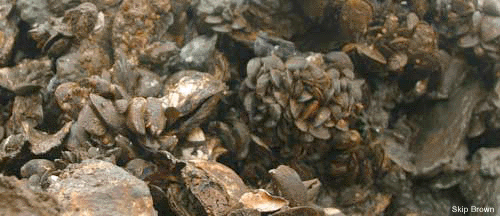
41,142
213,188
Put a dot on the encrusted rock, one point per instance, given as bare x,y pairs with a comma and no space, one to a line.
79,189
139,23
18,199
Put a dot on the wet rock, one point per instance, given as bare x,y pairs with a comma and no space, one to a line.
198,53
80,187
18,199
33,11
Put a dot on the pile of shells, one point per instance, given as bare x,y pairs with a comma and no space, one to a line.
473,23
303,100
242,20
399,41
222,16
106,115
249,107
306,109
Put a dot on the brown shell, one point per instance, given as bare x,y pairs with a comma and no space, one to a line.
107,111
136,115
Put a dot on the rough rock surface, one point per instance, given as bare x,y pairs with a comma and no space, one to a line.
17,199
96,187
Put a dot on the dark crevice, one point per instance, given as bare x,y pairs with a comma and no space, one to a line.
25,46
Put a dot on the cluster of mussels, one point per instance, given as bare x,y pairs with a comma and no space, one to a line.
213,106
306,107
